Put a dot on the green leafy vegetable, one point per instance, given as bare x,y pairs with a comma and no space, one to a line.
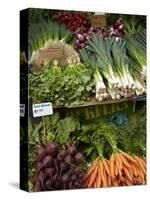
72,85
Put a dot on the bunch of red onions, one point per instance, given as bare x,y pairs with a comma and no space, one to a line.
86,33
73,21
117,31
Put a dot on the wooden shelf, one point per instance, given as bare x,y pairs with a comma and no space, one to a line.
94,102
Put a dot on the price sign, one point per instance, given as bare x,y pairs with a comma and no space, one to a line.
22,110
98,21
42,109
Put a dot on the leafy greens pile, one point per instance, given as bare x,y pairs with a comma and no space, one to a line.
71,85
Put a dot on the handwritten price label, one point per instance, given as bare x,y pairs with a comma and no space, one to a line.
42,109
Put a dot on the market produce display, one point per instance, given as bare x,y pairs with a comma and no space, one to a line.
95,67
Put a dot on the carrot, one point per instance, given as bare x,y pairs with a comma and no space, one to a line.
95,184
138,171
124,161
115,182
127,173
116,169
99,180
92,169
128,157
102,175
128,183
95,161
105,183
119,161
143,162
140,165
106,167
93,176
119,169
112,171
135,173
109,181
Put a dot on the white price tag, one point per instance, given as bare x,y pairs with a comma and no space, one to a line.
22,110
42,109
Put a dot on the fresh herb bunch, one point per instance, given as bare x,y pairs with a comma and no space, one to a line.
71,85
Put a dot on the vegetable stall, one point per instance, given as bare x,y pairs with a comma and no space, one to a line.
95,79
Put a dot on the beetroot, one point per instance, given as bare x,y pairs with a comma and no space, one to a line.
48,185
40,153
79,158
77,170
59,169
40,166
61,155
68,159
63,167
73,177
37,187
48,161
72,150
70,172
71,185
65,178
49,171
52,148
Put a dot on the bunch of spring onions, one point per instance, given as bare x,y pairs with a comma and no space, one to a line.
101,90
136,48
40,34
111,58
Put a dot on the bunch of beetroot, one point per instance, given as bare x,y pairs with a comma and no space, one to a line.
72,21
59,169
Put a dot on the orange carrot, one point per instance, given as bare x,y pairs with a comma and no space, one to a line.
90,172
140,165
95,184
109,181
119,161
127,173
128,157
105,183
112,171
93,176
106,167
135,172
99,179
102,174
143,162
124,161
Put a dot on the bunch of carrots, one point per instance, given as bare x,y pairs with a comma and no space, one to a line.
98,174
121,170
